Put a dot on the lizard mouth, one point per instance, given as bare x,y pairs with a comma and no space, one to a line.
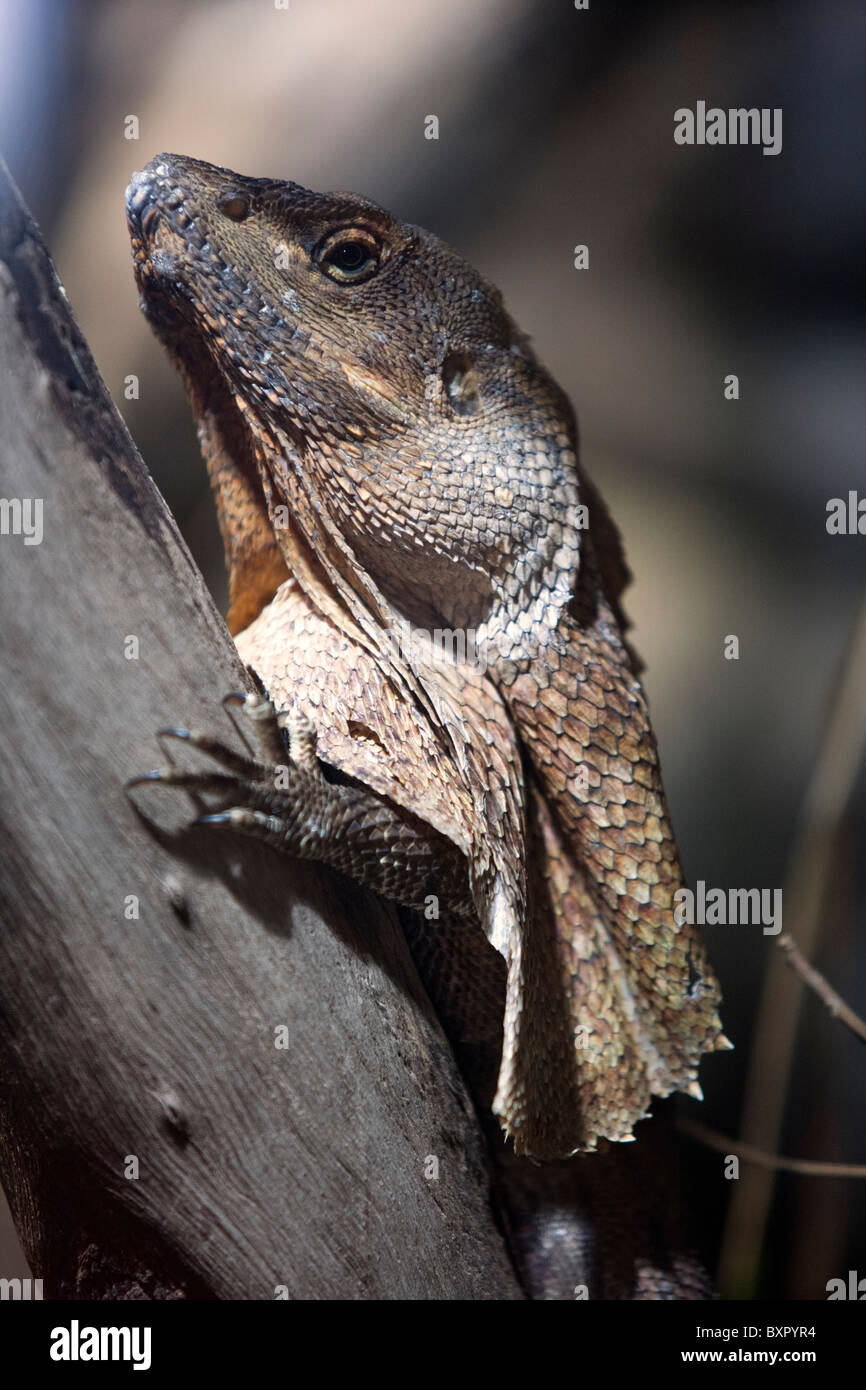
164,237
161,233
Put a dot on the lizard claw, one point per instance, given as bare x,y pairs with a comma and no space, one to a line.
155,776
240,763
243,818
260,795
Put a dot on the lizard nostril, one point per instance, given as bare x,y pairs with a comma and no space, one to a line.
234,206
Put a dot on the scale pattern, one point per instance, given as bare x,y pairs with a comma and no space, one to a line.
421,571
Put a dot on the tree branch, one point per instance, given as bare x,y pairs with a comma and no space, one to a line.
146,1043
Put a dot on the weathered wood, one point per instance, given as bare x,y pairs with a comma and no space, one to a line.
154,1037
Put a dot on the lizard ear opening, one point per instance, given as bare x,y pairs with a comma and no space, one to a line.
460,383
235,206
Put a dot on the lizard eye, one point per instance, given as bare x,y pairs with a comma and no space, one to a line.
234,206
349,256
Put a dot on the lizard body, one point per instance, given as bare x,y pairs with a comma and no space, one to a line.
390,460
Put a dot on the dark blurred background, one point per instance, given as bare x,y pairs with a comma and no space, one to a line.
556,128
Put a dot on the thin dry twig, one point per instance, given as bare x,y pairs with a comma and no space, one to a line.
808,1167
811,977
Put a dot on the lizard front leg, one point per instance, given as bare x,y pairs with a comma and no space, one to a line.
282,795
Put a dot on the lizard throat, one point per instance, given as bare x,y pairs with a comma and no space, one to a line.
230,447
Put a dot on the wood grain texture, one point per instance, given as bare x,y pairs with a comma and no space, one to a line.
154,1037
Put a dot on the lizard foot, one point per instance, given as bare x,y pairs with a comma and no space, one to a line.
271,795
281,795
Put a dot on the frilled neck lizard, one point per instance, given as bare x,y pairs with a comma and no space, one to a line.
428,588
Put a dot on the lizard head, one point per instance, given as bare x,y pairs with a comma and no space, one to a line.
321,302
361,349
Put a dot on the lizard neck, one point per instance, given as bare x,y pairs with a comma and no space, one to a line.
468,525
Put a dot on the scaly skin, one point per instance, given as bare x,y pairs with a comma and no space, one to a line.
388,456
